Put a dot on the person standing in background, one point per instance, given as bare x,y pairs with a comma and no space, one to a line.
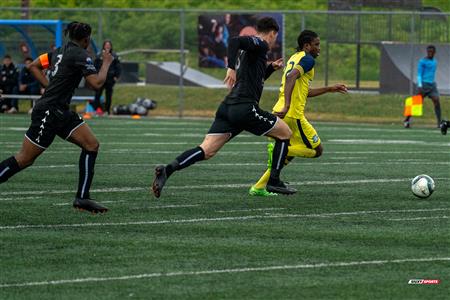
426,84
28,85
114,72
8,83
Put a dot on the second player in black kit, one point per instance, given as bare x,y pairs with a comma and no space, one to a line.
52,117
247,70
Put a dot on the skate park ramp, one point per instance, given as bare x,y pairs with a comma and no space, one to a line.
168,73
395,67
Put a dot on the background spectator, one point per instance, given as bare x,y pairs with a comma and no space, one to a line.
8,83
28,85
113,75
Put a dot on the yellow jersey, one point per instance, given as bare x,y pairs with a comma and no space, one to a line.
304,63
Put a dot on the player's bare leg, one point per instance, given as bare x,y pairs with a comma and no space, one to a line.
85,139
207,149
437,109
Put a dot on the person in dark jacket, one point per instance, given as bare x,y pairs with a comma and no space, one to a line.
28,85
112,77
8,82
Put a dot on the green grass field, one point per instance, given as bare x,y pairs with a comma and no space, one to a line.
353,231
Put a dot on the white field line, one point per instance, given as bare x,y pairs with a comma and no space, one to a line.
146,207
384,142
251,209
208,186
218,219
418,219
225,271
21,198
66,204
125,125
408,162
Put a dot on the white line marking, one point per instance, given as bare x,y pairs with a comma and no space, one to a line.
421,218
106,190
250,209
218,219
302,163
21,198
208,186
225,271
66,204
384,142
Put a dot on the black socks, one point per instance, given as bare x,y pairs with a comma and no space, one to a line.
186,159
8,168
280,151
86,166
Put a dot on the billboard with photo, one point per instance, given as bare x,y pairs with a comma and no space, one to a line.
214,32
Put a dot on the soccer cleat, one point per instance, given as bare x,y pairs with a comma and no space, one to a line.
444,126
159,181
89,205
280,188
260,192
407,124
270,147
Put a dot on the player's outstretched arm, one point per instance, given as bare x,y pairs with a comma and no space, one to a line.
96,81
337,88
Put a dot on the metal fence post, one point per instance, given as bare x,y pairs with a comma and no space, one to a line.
411,40
283,38
182,62
327,53
99,29
358,50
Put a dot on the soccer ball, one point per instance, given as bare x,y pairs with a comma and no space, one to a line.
422,186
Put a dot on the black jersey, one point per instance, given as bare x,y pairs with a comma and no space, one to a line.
67,65
248,56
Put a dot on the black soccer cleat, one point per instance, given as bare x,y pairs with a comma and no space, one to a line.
444,126
280,188
89,205
159,181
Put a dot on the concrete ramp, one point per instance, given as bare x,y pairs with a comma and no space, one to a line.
168,73
395,67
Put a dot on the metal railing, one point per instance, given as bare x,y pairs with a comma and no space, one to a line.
351,40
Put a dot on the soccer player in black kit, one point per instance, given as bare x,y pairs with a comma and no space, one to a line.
247,70
51,115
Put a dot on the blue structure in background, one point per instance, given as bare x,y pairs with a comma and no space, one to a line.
55,27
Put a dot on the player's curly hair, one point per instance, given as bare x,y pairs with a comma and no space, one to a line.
305,37
77,30
267,24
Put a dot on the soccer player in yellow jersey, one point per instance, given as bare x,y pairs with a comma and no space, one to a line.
294,92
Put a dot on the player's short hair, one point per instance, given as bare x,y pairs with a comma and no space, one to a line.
267,24
77,30
305,37
28,59
431,47
7,56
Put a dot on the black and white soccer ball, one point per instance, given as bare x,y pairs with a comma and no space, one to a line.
422,186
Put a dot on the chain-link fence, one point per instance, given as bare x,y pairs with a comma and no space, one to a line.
351,41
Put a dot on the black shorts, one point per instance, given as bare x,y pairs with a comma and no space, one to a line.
48,122
235,118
